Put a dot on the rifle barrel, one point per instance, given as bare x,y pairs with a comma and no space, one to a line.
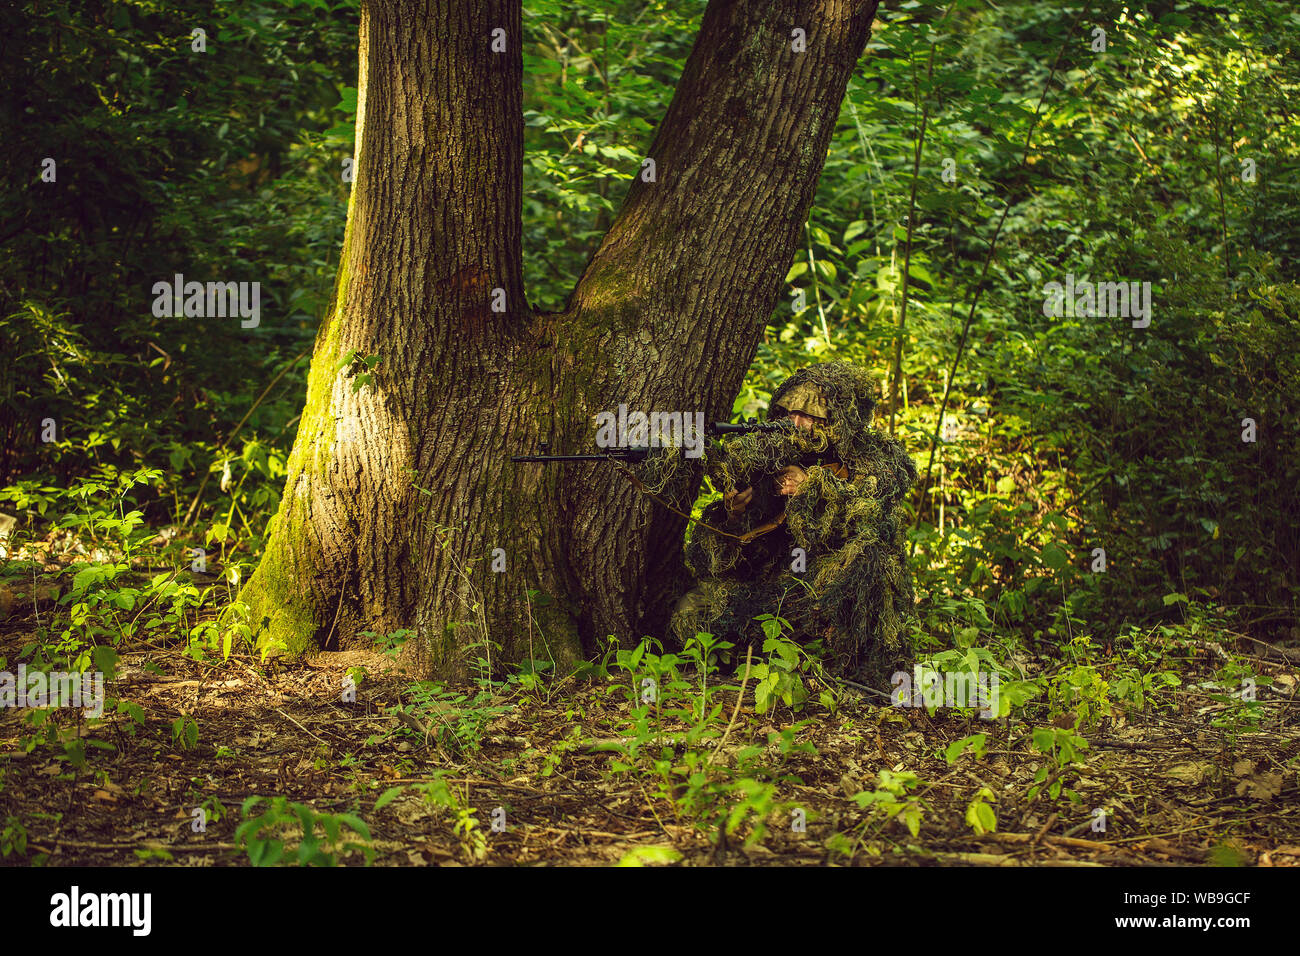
740,428
638,454
618,455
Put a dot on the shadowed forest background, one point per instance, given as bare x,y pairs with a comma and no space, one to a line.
1107,517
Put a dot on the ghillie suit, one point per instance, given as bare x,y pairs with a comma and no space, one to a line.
849,587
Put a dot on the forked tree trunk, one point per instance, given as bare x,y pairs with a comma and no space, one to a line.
400,491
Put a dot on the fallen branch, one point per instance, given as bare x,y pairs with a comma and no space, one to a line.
1054,840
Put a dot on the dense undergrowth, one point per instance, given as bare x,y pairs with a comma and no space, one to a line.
1101,496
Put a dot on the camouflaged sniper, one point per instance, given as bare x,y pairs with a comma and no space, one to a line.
855,593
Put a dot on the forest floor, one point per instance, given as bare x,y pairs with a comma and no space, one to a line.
1179,784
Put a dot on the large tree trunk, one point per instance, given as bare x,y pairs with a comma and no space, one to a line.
400,491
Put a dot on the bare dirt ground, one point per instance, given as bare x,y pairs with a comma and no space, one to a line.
1179,790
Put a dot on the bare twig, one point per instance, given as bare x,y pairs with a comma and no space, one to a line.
749,655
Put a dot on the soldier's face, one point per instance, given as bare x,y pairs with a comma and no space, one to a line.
801,420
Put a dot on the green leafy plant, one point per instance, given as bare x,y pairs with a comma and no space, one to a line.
439,792
980,815
267,836
390,643
780,678
13,839
894,798
185,732
1063,748
453,720
360,368
974,743
671,722
1081,691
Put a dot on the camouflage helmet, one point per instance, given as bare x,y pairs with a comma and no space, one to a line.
836,391
805,398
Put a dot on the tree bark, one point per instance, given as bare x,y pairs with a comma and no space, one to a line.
400,498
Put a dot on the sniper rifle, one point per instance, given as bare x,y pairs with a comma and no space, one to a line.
636,453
